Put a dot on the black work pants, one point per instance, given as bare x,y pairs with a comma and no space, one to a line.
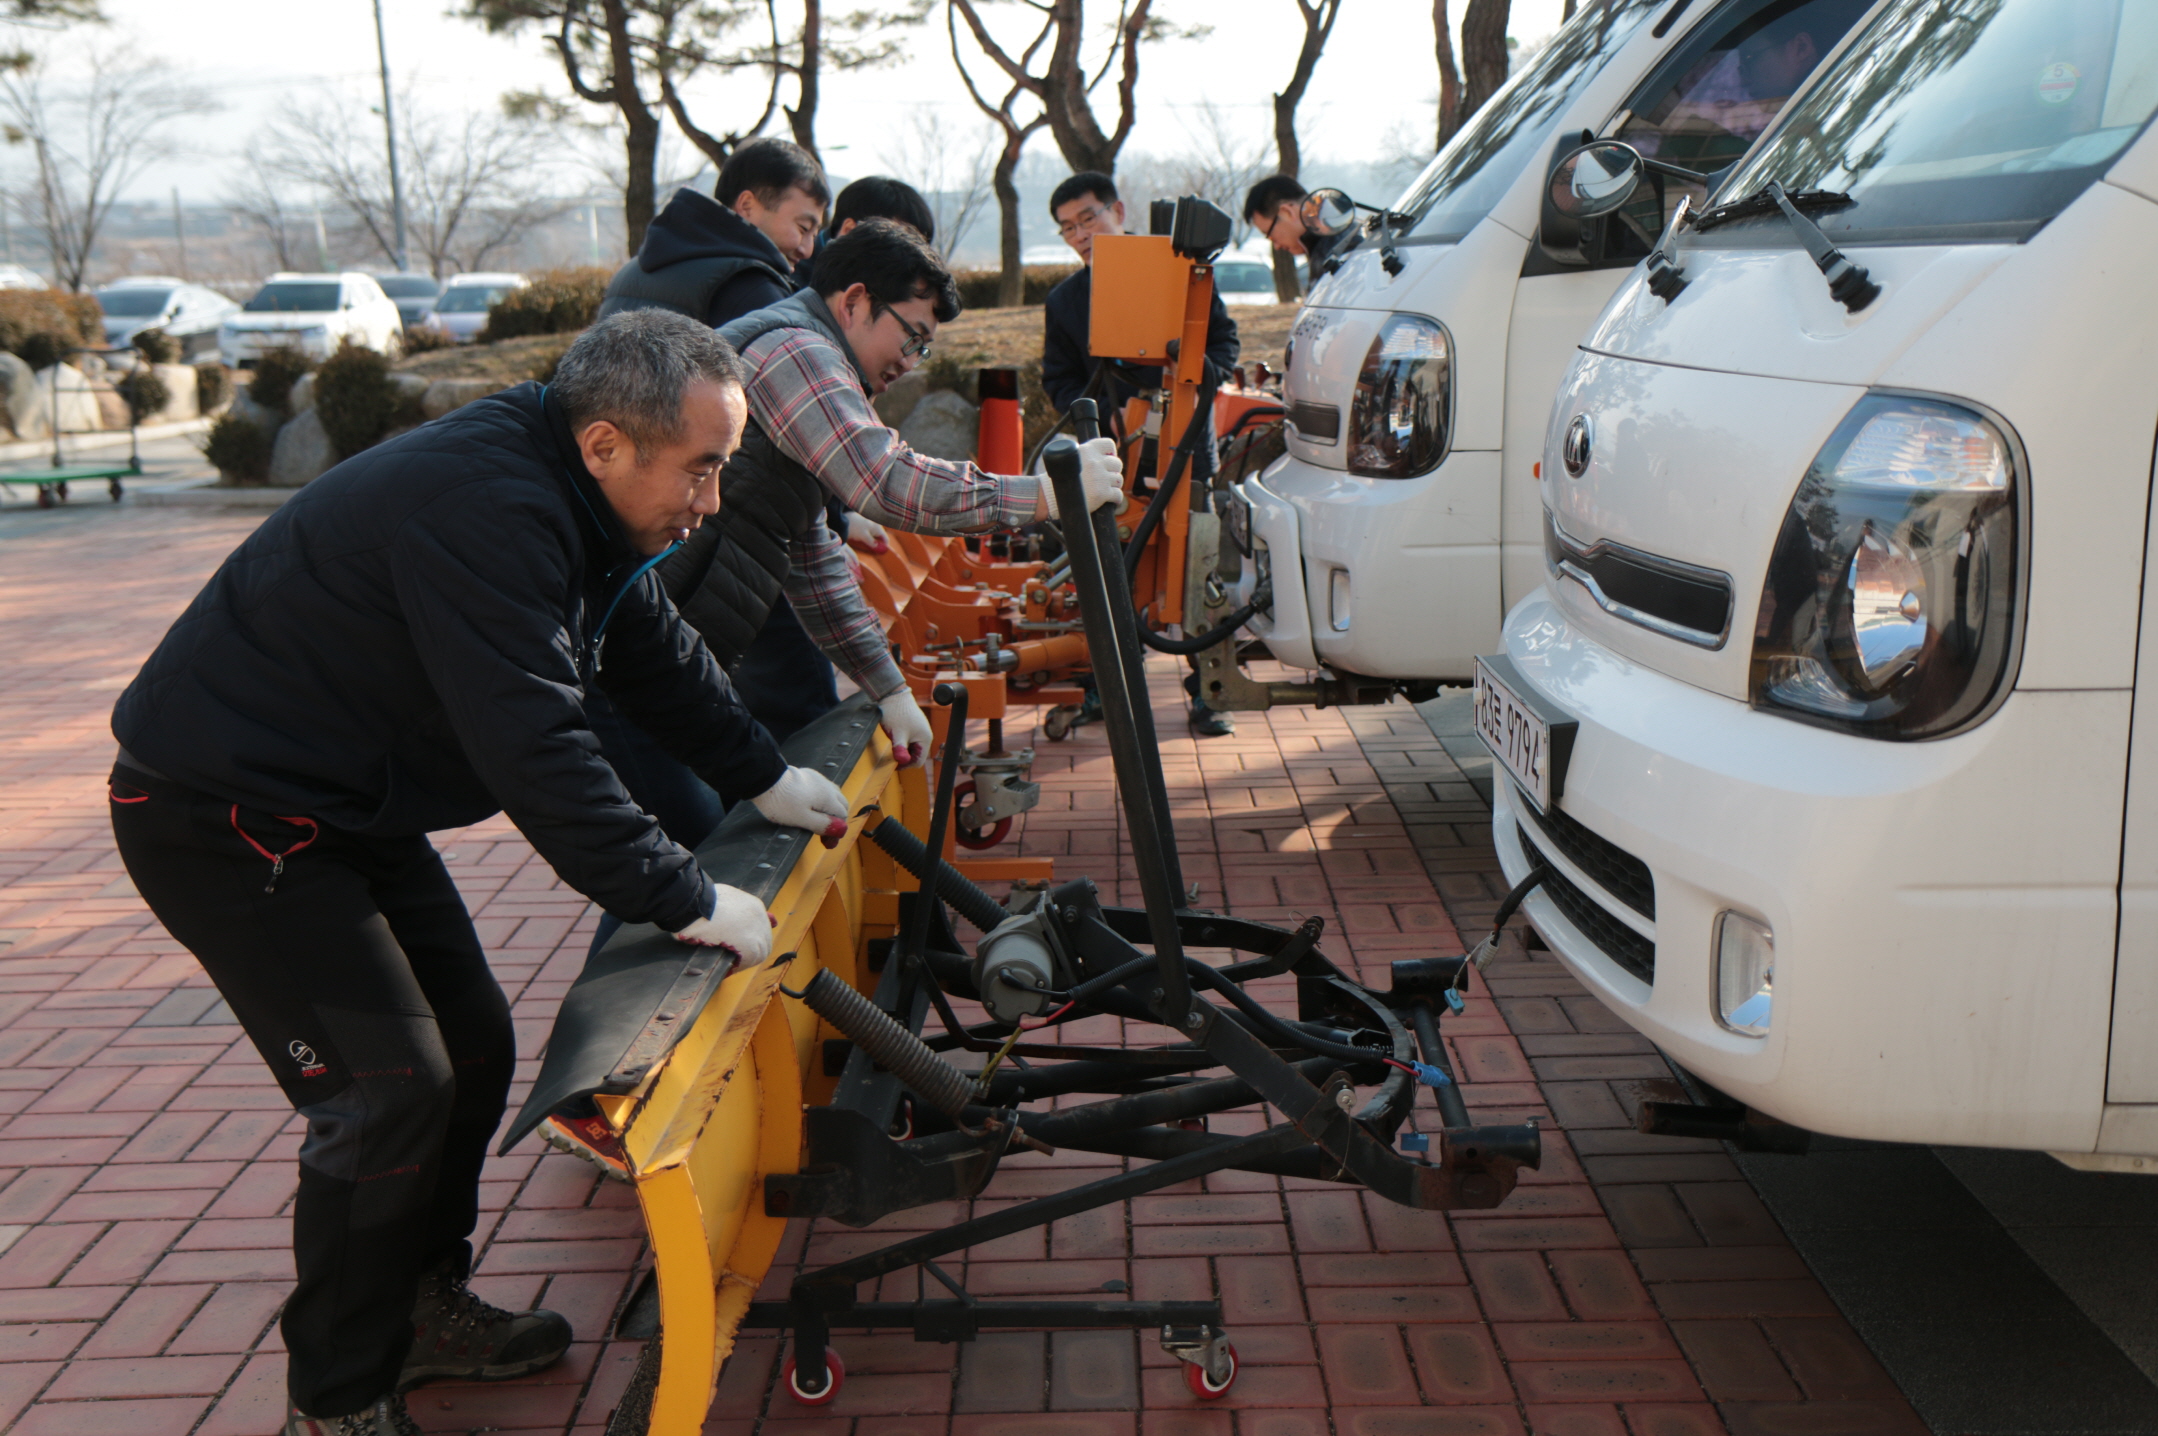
359,977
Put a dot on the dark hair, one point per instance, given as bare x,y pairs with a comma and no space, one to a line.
892,262
1080,186
631,368
882,197
1270,194
768,168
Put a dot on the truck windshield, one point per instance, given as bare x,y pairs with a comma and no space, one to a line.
1511,131
1954,121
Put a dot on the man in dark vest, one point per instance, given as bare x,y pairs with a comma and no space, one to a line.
719,258
407,646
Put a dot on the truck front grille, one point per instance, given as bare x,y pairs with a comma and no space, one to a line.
1612,937
1615,870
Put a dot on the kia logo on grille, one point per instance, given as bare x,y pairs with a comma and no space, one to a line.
1580,439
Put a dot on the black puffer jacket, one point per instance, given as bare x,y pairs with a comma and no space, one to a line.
404,647
701,259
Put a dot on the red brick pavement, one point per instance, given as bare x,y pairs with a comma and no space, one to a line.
146,1161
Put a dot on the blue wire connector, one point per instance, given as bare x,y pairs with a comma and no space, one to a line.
1431,1076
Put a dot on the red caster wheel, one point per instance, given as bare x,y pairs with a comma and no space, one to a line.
976,838
836,1377
1203,1386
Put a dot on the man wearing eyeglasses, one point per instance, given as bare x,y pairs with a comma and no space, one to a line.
815,361
1085,207
1275,208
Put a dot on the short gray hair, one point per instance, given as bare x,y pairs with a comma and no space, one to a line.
630,369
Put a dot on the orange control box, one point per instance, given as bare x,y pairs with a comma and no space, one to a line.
1139,285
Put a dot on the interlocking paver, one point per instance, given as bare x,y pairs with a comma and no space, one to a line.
1632,1287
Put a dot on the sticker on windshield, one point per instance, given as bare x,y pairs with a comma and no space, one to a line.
2057,83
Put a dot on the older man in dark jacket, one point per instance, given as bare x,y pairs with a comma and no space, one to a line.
406,646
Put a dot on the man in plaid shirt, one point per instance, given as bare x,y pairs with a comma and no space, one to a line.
815,360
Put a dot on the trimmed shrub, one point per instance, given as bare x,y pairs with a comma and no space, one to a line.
276,371
425,341
213,385
145,391
156,346
545,363
357,400
239,449
557,301
44,327
978,287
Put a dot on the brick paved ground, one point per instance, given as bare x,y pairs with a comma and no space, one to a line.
1633,1285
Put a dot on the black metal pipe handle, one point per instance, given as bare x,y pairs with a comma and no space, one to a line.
1113,644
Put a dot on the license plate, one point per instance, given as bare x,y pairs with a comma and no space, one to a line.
1529,737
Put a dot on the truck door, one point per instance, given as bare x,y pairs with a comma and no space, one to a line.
1700,109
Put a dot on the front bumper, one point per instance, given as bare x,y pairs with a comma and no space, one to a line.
1943,912
248,345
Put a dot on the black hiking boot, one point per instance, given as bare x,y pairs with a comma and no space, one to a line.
455,1335
386,1417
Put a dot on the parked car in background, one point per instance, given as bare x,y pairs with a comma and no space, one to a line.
15,276
461,312
1244,281
414,295
313,313
191,314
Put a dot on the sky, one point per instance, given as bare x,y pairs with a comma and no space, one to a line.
1378,76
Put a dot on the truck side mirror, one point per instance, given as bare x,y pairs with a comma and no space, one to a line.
1571,232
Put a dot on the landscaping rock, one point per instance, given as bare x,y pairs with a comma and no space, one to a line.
444,395
411,387
20,384
895,403
943,426
262,417
303,394
112,410
303,453
180,383
79,410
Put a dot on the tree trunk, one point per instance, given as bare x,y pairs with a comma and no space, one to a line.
1064,87
1319,16
1012,275
803,118
1483,52
1449,75
640,129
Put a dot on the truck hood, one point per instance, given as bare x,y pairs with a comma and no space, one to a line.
270,323
1787,326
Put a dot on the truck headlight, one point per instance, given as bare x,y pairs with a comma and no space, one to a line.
1745,973
1892,601
1401,416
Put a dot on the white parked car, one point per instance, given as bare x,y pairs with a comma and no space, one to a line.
1403,521
313,313
191,314
1827,714
1239,280
15,276
461,309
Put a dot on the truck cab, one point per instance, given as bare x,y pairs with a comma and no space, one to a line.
1403,520
1851,806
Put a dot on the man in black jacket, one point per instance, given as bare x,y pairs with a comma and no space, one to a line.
718,258
1086,206
402,648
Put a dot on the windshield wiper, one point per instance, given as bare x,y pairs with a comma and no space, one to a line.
1848,283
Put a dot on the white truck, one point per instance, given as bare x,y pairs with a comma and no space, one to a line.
1852,805
1404,519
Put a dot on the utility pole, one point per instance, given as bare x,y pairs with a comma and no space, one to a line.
389,134
179,231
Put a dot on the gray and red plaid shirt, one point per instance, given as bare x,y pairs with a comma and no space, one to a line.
807,398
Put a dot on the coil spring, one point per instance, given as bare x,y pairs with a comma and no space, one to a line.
889,1045
911,853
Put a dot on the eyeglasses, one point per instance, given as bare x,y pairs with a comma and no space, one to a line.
1086,219
918,340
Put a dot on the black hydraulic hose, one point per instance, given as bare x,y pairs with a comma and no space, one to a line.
1289,1034
969,901
1186,454
1262,597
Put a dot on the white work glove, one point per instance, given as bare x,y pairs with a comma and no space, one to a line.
907,724
738,923
1101,475
803,799
867,535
